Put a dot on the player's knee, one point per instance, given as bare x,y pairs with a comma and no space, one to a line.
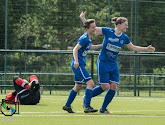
90,84
77,88
113,86
104,86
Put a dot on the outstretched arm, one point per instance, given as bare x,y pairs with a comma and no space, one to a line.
98,30
96,47
132,47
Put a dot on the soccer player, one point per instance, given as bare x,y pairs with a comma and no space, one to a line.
107,66
25,93
78,64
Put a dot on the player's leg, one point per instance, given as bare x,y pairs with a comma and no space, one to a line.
34,84
33,97
83,76
73,94
79,77
101,79
71,97
108,97
34,78
88,96
88,93
22,88
11,96
113,81
20,84
30,99
98,89
78,85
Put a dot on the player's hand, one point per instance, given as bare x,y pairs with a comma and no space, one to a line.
76,65
150,48
82,15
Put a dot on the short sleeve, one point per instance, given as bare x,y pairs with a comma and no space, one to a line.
105,30
82,42
127,40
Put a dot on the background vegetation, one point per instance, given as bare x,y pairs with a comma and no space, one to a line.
55,25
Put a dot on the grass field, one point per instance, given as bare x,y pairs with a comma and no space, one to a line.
126,111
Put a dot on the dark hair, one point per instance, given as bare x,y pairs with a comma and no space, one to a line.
88,22
118,20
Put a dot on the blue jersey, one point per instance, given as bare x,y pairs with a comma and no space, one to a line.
111,45
85,42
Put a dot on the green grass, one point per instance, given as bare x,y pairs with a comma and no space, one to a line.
126,111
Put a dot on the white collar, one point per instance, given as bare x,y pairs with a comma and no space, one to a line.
118,35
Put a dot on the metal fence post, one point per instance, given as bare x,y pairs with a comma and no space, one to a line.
50,81
20,65
139,76
108,13
150,86
92,67
6,20
136,34
1,84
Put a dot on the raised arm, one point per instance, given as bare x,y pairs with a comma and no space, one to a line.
82,17
132,47
98,30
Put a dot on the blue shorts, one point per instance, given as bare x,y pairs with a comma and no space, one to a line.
81,75
107,72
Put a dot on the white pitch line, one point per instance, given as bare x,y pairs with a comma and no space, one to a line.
142,111
83,112
63,112
148,116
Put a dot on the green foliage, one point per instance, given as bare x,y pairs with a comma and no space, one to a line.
159,70
55,24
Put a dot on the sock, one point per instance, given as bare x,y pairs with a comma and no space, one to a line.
10,96
108,98
34,77
71,97
22,83
88,96
97,91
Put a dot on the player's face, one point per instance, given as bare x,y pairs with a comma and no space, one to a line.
124,26
92,28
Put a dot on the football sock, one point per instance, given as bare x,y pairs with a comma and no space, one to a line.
97,91
22,83
88,96
34,77
71,97
108,98
10,96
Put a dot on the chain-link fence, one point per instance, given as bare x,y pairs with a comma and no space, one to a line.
53,69
55,25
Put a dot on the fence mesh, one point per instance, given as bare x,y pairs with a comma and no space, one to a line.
55,25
